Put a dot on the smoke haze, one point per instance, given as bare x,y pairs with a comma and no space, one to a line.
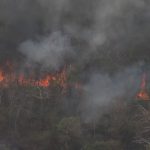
98,36
104,26
49,52
102,90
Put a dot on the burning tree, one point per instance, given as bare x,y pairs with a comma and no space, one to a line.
143,94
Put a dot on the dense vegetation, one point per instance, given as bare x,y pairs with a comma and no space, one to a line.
33,118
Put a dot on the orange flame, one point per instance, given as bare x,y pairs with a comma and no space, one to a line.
10,77
143,94
47,80
1,76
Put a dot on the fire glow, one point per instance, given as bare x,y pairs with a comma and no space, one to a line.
46,80
143,94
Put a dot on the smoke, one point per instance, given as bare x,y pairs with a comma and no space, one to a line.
106,36
103,89
97,28
118,18
104,39
101,35
49,51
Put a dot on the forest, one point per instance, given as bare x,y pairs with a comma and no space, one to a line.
74,75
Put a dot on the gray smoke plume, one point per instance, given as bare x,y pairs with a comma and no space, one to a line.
104,39
106,36
49,51
102,90
99,36
105,30
99,29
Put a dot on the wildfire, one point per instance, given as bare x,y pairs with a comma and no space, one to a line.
45,80
11,76
1,77
143,94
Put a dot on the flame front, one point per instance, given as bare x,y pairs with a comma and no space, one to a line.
47,80
1,76
11,76
143,94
